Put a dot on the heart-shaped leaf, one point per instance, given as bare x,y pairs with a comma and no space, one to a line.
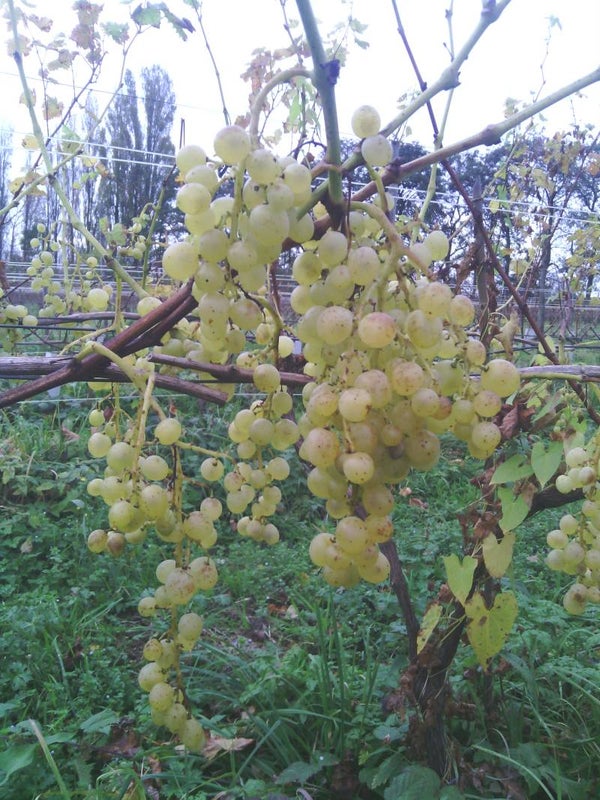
488,628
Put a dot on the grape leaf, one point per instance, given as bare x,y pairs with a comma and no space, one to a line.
488,628
118,32
298,772
430,620
514,509
16,758
460,576
415,783
513,469
497,555
545,461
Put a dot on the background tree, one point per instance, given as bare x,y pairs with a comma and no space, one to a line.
138,141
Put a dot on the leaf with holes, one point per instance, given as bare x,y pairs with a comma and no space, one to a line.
488,628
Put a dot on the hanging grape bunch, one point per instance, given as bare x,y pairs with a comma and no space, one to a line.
388,354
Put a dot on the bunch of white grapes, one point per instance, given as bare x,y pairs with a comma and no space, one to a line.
575,544
388,352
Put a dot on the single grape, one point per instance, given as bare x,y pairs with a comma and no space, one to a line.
168,431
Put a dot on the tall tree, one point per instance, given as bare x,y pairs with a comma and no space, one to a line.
138,135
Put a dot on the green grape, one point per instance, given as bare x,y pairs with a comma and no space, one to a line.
153,650
487,403
500,376
121,456
351,535
154,501
98,299
204,573
180,261
175,717
365,121
97,541
150,675
168,431
575,599
189,156
334,324
232,144
358,467
422,449
96,418
212,508
115,543
268,225
261,431
434,299
278,468
190,626
154,468
438,244
354,404
320,447
405,376
262,166
99,444
377,329
212,469
332,248
364,265
376,150
147,607
266,378
193,198
161,696
557,539
375,572
122,516
192,736
180,586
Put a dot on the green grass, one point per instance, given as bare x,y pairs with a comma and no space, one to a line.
296,674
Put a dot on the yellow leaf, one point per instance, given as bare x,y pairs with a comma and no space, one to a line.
219,744
29,142
488,628
430,620
497,555
460,576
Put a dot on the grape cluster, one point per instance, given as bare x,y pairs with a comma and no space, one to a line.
387,351
575,544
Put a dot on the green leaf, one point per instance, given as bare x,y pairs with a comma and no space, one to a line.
488,628
546,460
298,772
513,469
149,15
428,625
497,555
117,32
415,783
451,793
16,758
514,509
460,576
100,722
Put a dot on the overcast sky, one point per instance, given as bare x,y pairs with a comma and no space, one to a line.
519,56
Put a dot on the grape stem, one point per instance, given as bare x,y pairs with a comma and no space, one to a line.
285,76
324,81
